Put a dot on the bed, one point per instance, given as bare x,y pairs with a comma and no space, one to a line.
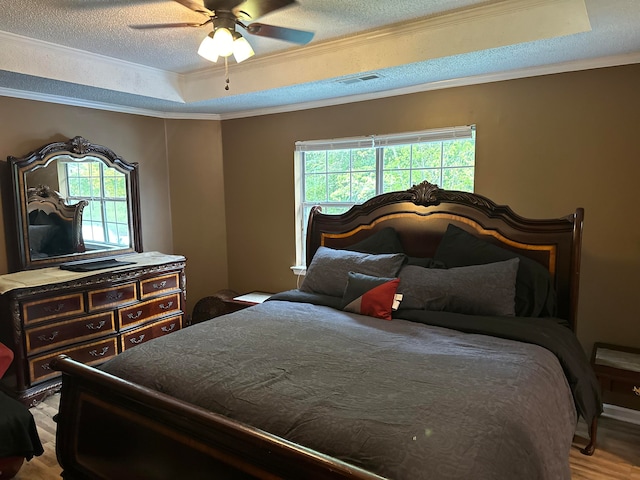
433,337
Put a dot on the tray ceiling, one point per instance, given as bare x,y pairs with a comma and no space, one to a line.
83,52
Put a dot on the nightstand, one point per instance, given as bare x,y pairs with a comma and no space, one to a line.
225,301
247,300
618,371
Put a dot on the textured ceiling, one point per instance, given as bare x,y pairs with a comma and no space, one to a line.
83,51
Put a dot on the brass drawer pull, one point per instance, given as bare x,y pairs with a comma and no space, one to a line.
91,326
113,296
137,340
169,328
56,309
95,353
133,316
166,306
160,285
50,338
45,366
636,390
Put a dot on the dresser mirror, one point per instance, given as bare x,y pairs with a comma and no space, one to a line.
74,201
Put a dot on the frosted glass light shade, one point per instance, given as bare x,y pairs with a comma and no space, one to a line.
214,46
242,49
223,40
208,49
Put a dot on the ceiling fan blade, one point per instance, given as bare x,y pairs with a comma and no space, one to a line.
168,25
257,8
224,5
281,33
195,6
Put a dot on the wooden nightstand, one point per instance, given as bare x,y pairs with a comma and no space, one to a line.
247,300
618,370
225,301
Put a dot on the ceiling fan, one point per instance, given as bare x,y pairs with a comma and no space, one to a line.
224,15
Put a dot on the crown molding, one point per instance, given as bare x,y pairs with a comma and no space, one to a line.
399,31
587,64
421,40
578,65
75,102
37,58
472,29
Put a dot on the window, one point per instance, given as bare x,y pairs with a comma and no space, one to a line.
105,220
337,174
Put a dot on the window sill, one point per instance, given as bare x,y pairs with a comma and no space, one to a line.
299,270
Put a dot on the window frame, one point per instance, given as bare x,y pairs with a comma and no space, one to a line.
102,200
379,143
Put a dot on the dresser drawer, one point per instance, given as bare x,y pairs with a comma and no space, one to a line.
148,332
618,371
91,354
619,386
626,387
153,286
58,307
622,394
112,297
58,334
149,310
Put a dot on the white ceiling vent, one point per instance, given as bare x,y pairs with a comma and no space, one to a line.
361,78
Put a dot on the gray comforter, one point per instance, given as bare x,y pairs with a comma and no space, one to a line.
402,399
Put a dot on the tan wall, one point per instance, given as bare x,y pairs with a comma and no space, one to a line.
545,146
194,164
197,204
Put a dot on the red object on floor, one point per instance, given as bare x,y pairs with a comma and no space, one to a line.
9,467
6,357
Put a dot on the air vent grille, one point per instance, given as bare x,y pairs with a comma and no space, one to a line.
361,78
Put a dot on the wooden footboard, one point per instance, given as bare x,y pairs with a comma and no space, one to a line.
109,428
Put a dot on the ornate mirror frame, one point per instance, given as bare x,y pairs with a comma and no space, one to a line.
49,200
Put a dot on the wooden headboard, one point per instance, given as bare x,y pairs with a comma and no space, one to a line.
44,199
421,215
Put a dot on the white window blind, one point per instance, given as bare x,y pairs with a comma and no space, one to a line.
372,141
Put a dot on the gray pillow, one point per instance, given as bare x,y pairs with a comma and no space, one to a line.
329,269
487,289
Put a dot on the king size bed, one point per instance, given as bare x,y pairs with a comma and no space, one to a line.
432,337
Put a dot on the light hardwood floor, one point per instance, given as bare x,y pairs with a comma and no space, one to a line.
44,467
616,458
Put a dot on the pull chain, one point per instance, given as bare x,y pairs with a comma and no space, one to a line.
226,74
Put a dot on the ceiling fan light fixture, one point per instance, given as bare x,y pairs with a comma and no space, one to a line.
207,49
223,40
241,48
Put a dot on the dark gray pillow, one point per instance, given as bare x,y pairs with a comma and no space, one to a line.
329,270
535,295
383,241
40,235
488,289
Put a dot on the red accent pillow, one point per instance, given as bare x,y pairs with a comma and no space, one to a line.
6,356
371,296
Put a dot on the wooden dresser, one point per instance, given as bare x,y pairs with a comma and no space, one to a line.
90,317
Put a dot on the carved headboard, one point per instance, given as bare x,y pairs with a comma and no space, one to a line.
55,228
422,214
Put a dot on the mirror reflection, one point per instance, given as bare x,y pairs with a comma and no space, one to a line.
55,228
75,200
95,196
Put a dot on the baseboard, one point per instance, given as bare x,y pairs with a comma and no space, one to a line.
621,413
